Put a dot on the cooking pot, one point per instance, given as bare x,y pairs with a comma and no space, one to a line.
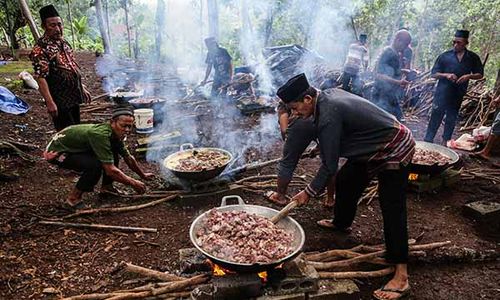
287,223
187,150
435,168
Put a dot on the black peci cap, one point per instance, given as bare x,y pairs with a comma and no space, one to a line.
48,11
122,110
293,89
462,34
363,37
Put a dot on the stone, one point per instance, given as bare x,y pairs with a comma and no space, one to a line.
50,290
483,210
191,261
336,290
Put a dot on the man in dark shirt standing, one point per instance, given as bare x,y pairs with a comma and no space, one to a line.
57,72
389,84
375,144
453,69
221,61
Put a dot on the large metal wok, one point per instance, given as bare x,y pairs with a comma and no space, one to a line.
289,224
187,150
435,168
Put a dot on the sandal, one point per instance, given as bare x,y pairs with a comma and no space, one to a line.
402,294
328,224
111,191
268,195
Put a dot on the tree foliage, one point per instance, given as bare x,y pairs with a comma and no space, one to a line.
323,25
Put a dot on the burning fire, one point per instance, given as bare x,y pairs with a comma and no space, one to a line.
220,271
412,176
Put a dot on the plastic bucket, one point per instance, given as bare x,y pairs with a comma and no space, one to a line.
143,120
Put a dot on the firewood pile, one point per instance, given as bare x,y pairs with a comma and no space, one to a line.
355,262
286,61
477,108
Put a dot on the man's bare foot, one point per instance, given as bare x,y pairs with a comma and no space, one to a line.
74,197
397,288
276,198
328,224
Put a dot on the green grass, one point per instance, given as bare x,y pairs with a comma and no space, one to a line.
9,72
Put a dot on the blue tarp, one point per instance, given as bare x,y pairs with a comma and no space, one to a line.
12,104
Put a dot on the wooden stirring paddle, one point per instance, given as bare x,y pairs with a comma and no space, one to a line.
284,212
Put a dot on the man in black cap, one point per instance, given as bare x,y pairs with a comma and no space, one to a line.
389,81
453,69
57,72
356,61
94,150
221,61
297,133
375,144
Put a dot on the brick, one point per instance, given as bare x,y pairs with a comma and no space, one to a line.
300,296
237,286
295,277
336,290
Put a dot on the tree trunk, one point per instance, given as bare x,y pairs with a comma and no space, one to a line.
136,43
125,7
213,19
160,23
106,14
70,16
104,33
268,28
27,14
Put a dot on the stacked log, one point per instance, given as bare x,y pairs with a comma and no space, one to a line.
477,107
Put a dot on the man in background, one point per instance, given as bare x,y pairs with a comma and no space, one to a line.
221,61
57,72
389,82
453,69
356,61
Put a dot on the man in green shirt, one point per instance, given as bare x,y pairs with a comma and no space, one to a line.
94,150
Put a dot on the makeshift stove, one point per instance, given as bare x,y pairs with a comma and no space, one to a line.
291,280
421,183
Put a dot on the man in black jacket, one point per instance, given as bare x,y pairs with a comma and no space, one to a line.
375,144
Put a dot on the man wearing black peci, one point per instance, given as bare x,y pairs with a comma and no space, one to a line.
375,144
57,72
453,69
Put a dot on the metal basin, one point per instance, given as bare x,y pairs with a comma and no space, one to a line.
287,223
435,168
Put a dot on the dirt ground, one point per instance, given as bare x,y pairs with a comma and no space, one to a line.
73,261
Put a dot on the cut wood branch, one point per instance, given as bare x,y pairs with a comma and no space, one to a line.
356,274
347,262
98,226
128,267
120,209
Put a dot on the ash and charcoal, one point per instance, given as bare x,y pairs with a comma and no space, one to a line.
241,237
